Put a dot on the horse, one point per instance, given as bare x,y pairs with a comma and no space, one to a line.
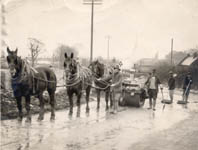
78,78
27,81
102,79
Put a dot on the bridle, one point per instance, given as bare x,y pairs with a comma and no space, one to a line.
73,78
21,70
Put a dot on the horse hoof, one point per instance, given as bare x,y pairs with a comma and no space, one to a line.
107,108
20,119
87,110
52,118
70,113
40,118
28,120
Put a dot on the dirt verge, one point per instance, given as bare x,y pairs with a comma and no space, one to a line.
9,107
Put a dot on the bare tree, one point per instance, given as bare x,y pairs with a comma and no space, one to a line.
36,47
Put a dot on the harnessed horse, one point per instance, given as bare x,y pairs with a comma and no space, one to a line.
101,81
27,81
78,78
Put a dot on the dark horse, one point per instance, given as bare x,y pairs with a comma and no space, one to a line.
27,81
102,82
78,78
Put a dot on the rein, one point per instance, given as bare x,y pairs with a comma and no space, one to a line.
22,73
81,76
100,81
26,70
76,79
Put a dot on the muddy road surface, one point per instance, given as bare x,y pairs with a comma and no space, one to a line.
175,127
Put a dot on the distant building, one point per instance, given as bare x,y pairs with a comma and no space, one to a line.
145,65
189,61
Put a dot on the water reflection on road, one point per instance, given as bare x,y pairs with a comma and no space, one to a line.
93,130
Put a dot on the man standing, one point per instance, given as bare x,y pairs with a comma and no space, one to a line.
153,84
116,87
171,86
186,86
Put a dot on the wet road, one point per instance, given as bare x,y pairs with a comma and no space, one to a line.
96,130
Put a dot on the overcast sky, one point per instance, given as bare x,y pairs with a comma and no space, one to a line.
138,28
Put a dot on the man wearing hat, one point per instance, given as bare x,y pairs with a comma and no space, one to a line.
116,87
186,86
153,83
171,85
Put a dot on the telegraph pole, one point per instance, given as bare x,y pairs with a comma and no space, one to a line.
108,40
92,3
172,52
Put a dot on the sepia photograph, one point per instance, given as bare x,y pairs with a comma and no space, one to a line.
99,74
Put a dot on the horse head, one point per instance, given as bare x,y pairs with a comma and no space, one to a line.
97,68
70,66
14,62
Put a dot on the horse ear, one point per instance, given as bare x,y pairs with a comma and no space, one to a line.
8,49
16,50
65,55
72,55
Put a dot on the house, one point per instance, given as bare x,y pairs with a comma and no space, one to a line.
189,63
145,65
191,60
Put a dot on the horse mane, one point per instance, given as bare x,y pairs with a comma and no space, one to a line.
84,72
19,63
24,66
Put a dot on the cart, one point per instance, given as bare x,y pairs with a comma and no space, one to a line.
132,94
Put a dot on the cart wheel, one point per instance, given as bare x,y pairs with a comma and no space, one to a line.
121,102
135,100
141,102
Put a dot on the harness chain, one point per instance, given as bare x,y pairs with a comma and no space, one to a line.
82,74
27,70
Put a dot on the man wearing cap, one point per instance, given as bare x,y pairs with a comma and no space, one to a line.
153,83
171,85
116,87
186,86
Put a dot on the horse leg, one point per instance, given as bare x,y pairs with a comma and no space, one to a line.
98,99
70,104
52,103
79,94
19,106
78,112
111,99
107,99
41,113
87,98
27,106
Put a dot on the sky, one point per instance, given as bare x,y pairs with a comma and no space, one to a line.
138,28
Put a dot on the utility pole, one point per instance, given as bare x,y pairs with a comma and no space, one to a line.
172,52
108,40
92,3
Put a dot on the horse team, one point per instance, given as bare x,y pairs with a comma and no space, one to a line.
27,81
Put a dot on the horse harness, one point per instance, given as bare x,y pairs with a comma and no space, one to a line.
26,71
79,76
